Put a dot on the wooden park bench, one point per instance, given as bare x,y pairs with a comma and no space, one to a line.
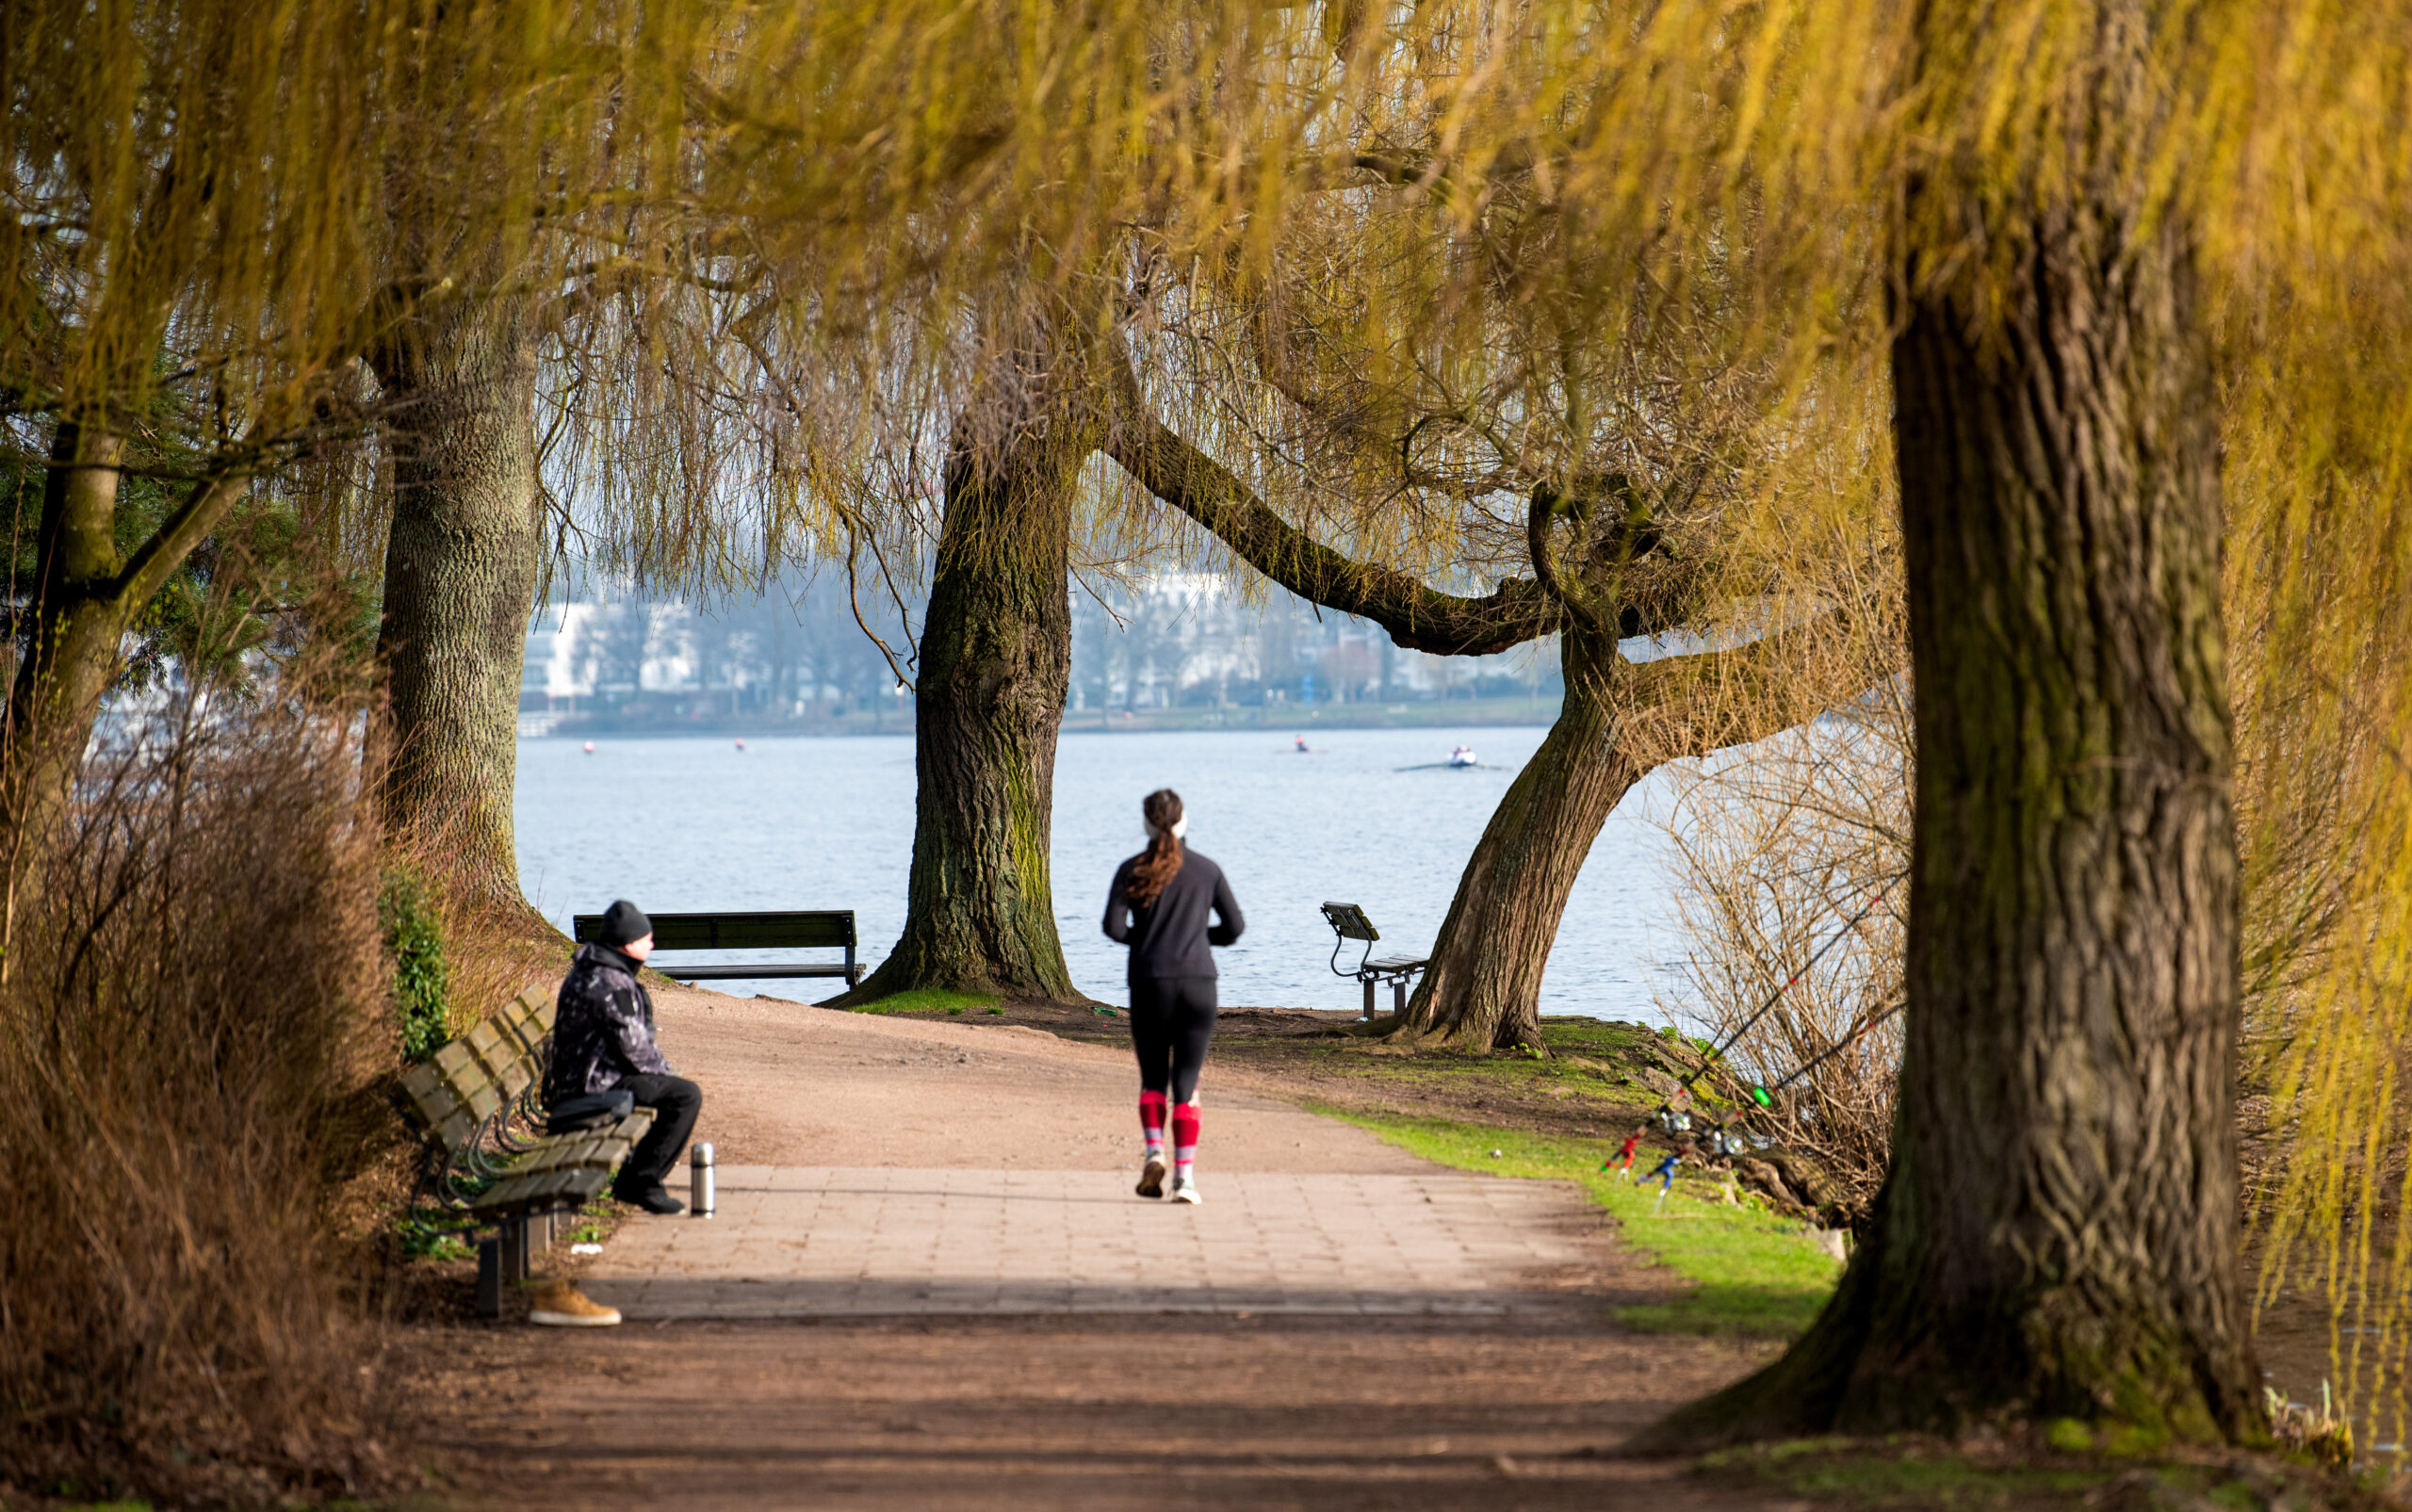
822,930
1348,922
476,1105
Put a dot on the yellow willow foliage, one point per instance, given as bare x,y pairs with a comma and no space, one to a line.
207,196
791,240
2319,602
1590,164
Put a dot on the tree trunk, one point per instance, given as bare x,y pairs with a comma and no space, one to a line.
78,620
86,597
461,569
996,664
2058,1236
1484,987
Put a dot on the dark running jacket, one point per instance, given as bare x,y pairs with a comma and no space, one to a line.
604,1030
1168,937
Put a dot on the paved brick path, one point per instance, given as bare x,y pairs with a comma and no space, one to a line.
930,1289
821,1242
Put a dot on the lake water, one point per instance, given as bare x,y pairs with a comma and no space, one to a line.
696,823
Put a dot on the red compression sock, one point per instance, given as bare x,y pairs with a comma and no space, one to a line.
1151,1120
1185,1139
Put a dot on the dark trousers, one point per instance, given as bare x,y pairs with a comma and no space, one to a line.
674,1101
1172,1020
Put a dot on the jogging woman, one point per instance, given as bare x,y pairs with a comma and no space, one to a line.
1158,907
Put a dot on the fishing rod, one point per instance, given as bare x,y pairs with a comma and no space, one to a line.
1827,1053
1791,981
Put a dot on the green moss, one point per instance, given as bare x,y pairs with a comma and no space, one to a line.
928,1000
2068,1435
1755,1275
2133,1440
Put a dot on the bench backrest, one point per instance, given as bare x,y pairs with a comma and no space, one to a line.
469,1079
832,928
1351,924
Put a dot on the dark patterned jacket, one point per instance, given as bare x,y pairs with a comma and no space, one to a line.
604,1030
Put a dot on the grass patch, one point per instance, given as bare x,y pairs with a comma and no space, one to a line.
1755,1275
928,1000
1596,1072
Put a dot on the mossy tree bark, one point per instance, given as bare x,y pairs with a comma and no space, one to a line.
1483,988
1619,723
460,570
996,659
2058,1236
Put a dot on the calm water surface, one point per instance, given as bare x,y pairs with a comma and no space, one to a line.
821,822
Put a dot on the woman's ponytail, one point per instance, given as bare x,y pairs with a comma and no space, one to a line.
1161,862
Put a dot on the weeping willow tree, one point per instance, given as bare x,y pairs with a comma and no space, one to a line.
1614,484
178,275
489,304
2077,213
203,249
2314,350
2112,240
900,300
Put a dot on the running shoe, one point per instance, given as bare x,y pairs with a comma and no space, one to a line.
1185,1189
1151,1176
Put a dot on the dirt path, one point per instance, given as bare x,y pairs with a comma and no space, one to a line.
930,1288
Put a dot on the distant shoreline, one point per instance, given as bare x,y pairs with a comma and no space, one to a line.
1286,719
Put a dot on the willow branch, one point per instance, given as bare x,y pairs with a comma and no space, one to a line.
1690,705
1417,616
155,561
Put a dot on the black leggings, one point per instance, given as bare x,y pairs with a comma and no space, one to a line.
1171,1020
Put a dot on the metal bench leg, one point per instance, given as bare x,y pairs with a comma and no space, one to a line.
1398,997
490,1278
1369,996
515,1249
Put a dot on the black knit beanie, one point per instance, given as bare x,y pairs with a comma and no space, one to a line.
624,923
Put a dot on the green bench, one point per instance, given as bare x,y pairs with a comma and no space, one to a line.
815,930
476,1106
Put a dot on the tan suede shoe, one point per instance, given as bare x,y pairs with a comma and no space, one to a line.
559,1305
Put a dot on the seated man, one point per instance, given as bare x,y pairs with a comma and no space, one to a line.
603,1042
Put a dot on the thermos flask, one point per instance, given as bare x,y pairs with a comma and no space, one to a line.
699,1174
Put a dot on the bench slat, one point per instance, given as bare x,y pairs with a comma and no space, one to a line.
424,1085
475,1089
1349,922
469,1079
459,1127
829,929
741,973
550,1189
564,1171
